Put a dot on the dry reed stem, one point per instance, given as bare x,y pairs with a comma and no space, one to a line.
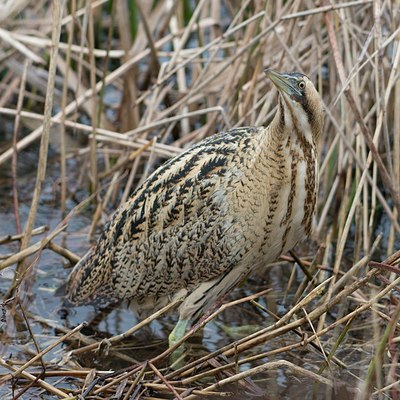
48,387
364,129
78,337
41,172
203,393
37,133
63,150
47,349
69,255
21,255
121,377
167,384
115,339
7,37
10,238
14,157
274,365
277,329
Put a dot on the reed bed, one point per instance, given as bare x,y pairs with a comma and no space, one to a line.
115,88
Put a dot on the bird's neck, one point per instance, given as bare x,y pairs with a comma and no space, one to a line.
291,125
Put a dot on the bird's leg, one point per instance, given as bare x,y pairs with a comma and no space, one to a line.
178,332
180,328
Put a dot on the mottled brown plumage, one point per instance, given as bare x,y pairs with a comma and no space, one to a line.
206,218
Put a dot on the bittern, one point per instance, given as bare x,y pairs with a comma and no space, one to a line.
208,217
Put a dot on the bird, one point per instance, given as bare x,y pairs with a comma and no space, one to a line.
205,219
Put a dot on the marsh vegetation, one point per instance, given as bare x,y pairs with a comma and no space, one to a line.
95,95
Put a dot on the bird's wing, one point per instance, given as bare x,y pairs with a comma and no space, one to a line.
177,228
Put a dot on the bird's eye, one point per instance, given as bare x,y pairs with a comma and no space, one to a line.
301,85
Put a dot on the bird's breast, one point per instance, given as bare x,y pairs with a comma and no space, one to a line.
277,201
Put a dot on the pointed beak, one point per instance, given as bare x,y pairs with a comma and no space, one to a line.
282,82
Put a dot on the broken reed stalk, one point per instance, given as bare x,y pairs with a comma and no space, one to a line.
34,248
11,238
48,387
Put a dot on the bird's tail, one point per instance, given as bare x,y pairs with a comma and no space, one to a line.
88,282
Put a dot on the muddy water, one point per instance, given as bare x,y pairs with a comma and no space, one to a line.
49,273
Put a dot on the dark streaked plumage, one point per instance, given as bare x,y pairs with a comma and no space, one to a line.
202,221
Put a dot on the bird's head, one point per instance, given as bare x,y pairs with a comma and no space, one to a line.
300,103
